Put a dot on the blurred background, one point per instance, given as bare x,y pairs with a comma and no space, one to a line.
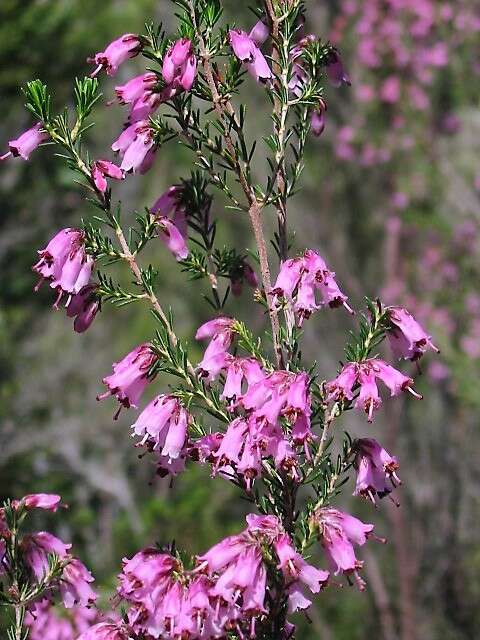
391,199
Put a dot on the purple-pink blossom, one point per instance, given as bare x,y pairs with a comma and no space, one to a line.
103,169
136,147
27,142
130,376
407,337
117,52
65,262
247,51
84,306
376,469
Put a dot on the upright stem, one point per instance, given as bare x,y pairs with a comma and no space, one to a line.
19,618
223,108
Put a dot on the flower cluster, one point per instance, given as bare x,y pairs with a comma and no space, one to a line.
299,280
227,589
47,560
363,376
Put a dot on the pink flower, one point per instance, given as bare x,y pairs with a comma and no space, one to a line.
163,426
26,143
237,277
368,399
104,631
45,622
318,120
240,370
364,376
84,306
376,470
259,33
296,571
246,50
136,147
179,67
65,262
130,376
299,280
47,501
37,547
136,88
75,589
407,338
338,532
341,388
172,238
117,52
215,356
336,73
101,169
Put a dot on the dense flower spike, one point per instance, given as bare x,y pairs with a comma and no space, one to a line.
130,376
117,52
407,338
363,375
338,532
376,469
26,143
298,281
65,262
247,51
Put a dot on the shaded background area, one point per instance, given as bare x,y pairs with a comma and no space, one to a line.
391,200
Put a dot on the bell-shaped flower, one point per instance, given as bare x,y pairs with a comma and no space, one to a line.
407,337
171,237
130,376
65,263
27,142
376,469
84,306
103,169
117,52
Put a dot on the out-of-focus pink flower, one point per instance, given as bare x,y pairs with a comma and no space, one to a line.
47,501
105,631
46,622
407,338
390,90
101,169
171,237
74,586
84,306
376,469
336,73
65,262
243,273
26,143
319,120
37,547
259,33
117,52
130,376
